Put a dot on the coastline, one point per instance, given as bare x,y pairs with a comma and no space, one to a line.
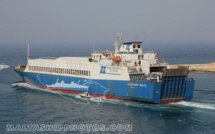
210,67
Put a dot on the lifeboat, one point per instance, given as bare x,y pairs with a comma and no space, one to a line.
116,59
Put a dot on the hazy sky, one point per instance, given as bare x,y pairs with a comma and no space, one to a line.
87,21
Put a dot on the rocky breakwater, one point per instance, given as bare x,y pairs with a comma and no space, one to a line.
210,67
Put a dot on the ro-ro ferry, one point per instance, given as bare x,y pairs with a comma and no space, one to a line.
127,73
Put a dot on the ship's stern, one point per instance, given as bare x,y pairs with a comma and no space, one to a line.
176,86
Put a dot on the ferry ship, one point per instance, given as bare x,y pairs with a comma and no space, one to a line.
128,73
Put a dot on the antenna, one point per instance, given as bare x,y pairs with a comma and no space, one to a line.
116,44
93,46
28,54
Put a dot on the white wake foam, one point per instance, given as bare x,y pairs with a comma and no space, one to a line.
25,85
98,100
196,105
28,86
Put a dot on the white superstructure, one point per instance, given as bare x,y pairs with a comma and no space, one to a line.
113,65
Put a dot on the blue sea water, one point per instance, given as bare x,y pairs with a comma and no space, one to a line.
26,105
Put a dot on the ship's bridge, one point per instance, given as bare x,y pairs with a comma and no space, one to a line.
131,48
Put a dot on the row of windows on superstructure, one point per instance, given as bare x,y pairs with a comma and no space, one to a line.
60,70
134,46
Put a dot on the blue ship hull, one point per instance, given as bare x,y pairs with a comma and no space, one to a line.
169,89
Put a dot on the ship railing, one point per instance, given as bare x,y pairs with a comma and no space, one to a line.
176,71
48,57
20,67
162,64
137,76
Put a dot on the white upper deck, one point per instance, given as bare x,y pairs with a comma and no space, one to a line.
118,64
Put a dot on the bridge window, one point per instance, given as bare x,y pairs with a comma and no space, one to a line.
136,51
